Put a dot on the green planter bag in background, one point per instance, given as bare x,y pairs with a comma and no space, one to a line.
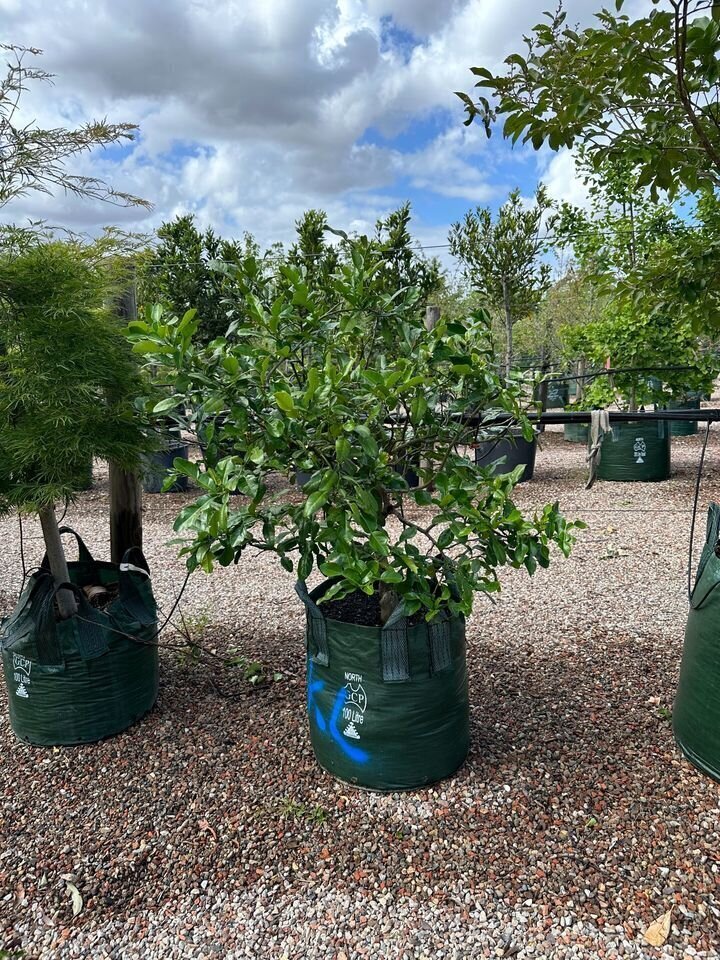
696,713
636,451
92,675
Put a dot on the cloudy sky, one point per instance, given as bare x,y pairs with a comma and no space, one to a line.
251,111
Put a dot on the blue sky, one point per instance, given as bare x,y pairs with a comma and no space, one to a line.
251,111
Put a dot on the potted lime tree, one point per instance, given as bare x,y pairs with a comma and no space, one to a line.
502,263
352,391
67,384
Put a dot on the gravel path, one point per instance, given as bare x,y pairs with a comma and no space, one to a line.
207,830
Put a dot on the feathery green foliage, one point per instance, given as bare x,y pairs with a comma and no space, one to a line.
67,375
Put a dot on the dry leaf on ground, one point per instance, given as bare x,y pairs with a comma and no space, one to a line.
658,931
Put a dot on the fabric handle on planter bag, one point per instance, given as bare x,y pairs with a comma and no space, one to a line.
395,655
84,555
90,625
316,626
133,568
709,553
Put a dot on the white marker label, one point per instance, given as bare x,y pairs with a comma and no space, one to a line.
22,668
355,705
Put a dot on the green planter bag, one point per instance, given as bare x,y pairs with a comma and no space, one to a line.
92,675
636,451
576,432
388,708
696,713
683,428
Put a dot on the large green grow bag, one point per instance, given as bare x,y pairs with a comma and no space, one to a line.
388,708
696,714
576,432
683,428
636,451
93,675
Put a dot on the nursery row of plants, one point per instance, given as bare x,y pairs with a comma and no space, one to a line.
323,361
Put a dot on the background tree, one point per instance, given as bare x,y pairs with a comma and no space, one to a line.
502,258
66,378
570,301
35,159
613,239
178,272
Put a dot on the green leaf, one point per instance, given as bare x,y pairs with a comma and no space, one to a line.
445,538
314,502
169,403
285,402
367,441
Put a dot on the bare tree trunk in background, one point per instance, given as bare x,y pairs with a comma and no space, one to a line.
508,331
125,487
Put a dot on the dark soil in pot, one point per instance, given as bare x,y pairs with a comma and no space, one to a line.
360,609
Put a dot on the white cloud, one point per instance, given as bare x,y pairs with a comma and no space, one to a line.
563,181
252,111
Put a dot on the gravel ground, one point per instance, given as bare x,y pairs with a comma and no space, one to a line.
207,830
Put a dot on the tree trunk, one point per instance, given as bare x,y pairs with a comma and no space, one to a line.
580,370
125,488
388,601
432,315
508,331
67,604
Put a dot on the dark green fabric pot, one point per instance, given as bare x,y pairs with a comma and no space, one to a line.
88,677
388,708
576,432
514,451
636,451
696,713
683,428
558,394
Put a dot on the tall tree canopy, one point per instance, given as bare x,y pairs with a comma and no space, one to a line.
644,90
502,258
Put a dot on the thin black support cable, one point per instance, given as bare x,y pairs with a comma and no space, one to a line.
694,511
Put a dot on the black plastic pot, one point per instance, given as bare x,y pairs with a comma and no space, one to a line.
514,451
157,467
558,394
